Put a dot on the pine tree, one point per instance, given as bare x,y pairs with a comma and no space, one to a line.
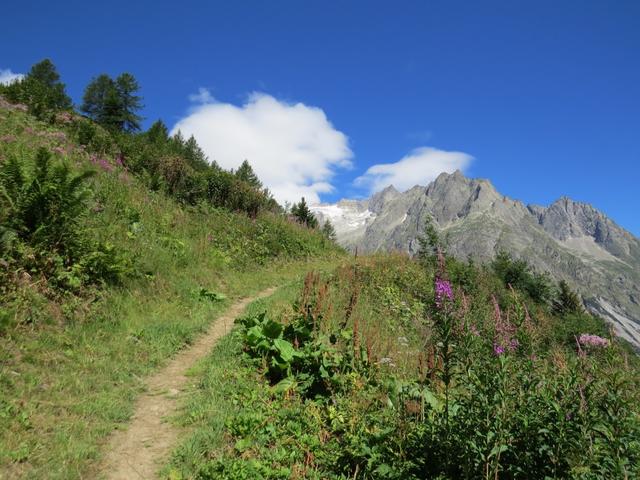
178,140
195,155
246,174
127,86
303,214
329,231
45,72
567,301
95,99
158,133
429,242
41,90
113,103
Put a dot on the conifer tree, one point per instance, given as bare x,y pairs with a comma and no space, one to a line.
568,301
303,214
129,103
429,242
329,231
246,174
158,133
195,155
98,99
41,90
113,103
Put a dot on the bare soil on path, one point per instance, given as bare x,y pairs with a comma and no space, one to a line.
138,451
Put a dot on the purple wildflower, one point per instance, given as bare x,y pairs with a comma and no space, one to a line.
57,135
105,165
443,292
505,331
592,340
64,117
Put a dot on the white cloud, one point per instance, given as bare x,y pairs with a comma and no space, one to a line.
293,148
7,76
420,167
203,96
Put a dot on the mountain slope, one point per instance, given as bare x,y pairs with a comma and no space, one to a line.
570,240
74,356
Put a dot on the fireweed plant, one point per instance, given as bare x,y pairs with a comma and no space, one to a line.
393,369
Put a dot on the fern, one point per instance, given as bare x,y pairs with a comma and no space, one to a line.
43,207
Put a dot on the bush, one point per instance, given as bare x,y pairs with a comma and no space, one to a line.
43,207
42,215
518,274
41,91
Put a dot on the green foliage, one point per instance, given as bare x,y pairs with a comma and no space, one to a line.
41,224
44,206
126,87
429,242
246,174
567,301
518,274
423,392
181,169
40,90
329,231
297,357
113,103
303,214
205,294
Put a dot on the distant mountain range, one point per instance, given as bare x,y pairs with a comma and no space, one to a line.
570,240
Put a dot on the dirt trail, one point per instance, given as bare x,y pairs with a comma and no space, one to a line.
138,452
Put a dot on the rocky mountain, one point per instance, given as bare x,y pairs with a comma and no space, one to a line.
570,240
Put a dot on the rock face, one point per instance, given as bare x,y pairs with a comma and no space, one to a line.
570,240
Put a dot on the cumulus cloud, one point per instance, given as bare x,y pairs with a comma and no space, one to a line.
420,167
293,147
7,76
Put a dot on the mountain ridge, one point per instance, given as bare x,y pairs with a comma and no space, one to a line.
573,241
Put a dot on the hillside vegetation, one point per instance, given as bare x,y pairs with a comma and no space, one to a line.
388,368
116,250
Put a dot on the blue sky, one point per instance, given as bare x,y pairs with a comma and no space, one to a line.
541,97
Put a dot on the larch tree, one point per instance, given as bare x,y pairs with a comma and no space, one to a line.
113,103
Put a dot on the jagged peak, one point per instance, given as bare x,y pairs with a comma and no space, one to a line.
571,206
389,189
455,176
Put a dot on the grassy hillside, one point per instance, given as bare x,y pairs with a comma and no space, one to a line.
90,307
391,369
118,249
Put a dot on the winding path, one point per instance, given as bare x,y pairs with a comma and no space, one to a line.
139,451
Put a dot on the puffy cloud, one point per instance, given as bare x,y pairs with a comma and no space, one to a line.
420,167
7,76
293,147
